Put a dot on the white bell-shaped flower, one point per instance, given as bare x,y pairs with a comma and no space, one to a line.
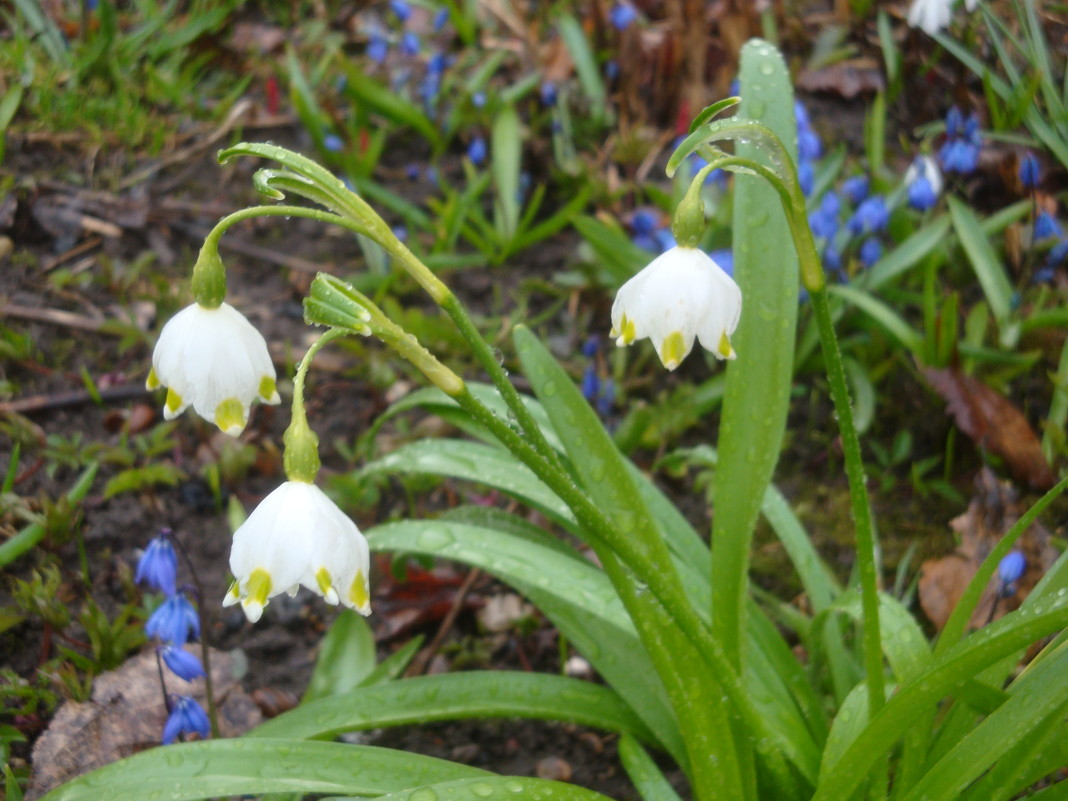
215,361
931,16
681,295
297,537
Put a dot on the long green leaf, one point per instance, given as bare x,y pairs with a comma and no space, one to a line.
470,461
906,336
988,267
506,151
573,594
649,780
496,788
589,74
455,696
757,393
191,771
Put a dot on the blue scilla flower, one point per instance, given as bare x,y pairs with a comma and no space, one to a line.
871,216
591,383
401,9
644,222
806,177
429,87
1030,171
377,48
855,188
960,151
808,141
438,63
478,99
158,566
922,195
333,143
871,250
622,15
1046,226
832,260
409,44
1012,567
547,92
606,399
665,240
174,621
476,151
954,122
1056,257
411,172
591,346
182,663
724,257
187,717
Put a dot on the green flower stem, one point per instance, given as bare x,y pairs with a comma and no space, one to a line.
659,574
861,507
301,457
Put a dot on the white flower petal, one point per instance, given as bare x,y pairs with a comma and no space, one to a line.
682,295
298,536
212,358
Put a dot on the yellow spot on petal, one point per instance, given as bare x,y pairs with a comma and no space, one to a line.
326,585
230,416
359,596
673,350
725,351
233,595
172,404
257,589
268,392
152,382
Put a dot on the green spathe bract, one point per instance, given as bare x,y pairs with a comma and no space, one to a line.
738,712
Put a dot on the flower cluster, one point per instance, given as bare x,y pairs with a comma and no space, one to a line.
174,623
960,152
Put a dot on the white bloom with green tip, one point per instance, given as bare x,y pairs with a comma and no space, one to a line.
682,295
298,537
932,16
215,361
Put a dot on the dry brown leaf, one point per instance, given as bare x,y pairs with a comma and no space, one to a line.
994,423
991,513
846,78
126,715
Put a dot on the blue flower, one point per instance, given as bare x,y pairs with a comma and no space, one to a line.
824,220
871,250
478,99
622,15
611,69
441,18
607,397
665,240
960,151
921,194
1030,171
333,143
855,188
1012,567
411,172
805,177
476,151
158,566
187,717
591,384
954,122
591,346
547,92
377,48
409,44
401,9
644,222
808,142
832,260
174,621
1046,226
870,216
438,63
182,663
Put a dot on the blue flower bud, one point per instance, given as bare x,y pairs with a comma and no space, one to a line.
547,91
478,99
870,216
441,18
591,384
806,178
158,566
1012,567
409,44
607,399
174,621
1030,171
401,9
921,194
855,188
622,15
871,250
1046,226
182,663
644,222
187,717
611,69
377,48
476,151
333,143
